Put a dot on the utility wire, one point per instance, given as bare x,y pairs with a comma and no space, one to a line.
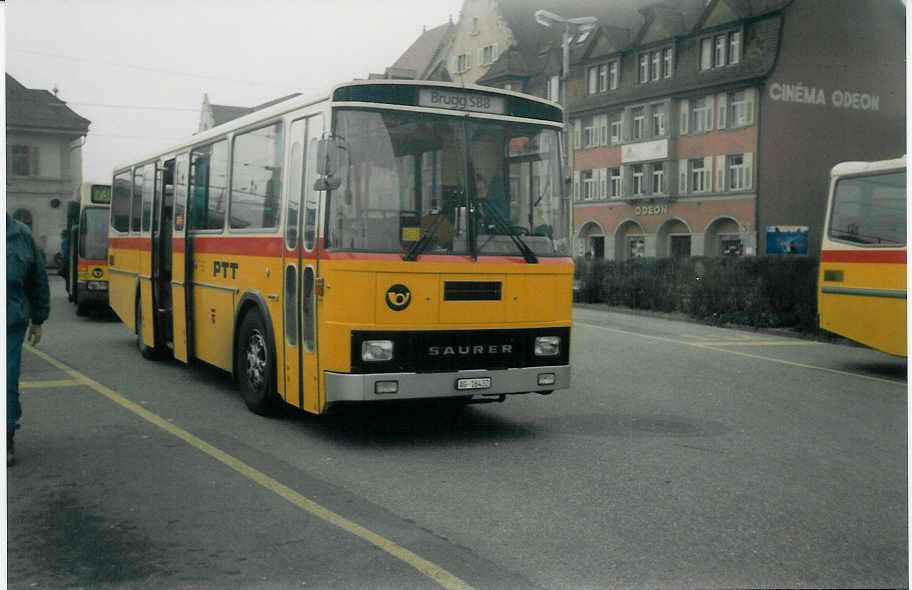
129,106
148,69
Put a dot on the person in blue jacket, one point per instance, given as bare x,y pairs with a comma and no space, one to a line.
28,304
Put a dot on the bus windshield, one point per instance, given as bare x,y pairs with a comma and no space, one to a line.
870,209
93,233
416,183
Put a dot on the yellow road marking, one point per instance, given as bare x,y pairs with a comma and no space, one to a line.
710,346
48,384
432,570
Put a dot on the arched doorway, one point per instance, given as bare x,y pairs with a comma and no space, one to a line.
629,240
674,239
723,238
592,240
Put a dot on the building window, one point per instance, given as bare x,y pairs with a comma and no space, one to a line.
552,90
720,50
702,116
636,246
680,246
475,23
658,178
614,127
699,175
739,171
594,73
659,119
603,77
638,179
741,110
730,245
22,160
639,122
463,63
487,55
655,65
588,185
615,188
590,133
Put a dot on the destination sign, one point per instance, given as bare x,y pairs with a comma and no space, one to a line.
101,194
462,101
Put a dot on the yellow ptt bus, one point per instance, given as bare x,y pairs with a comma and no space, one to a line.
862,282
86,256
388,240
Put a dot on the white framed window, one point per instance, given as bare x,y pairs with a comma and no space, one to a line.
463,62
590,133
659,120
552,90
616,182
741,108
699,175
614,129
487,55
739,171
666,62
655,70
475,23
593,79
720,50
658,178
589,186
639,123
701,120
22,160
613,75
638,177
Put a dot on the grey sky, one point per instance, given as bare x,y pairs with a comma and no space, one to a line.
164,55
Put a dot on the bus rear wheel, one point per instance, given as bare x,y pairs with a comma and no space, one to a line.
255,358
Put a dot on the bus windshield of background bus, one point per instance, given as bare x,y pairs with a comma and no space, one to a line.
93,233
445,185
870,209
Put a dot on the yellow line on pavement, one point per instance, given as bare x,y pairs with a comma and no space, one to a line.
712,346
48,384
432,570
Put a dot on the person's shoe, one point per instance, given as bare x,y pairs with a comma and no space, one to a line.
10,457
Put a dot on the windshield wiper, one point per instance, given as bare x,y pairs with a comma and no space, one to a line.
489,211
419,246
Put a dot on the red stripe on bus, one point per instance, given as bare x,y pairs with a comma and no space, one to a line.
438,258
881,256
83,263
243,246
131,243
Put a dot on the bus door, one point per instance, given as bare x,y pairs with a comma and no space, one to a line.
181,266
300,368
162,212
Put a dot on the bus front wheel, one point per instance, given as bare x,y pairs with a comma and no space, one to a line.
256,365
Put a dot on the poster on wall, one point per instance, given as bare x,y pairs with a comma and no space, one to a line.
786,239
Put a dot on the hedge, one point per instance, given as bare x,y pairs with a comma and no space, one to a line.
760,291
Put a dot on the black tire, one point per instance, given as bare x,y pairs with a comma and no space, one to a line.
148,352
82,308
256,366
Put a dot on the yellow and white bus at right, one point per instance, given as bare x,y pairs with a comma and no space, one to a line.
861,291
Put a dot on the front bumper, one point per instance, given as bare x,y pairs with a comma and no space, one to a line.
345,387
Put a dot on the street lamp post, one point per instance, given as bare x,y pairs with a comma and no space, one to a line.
580,24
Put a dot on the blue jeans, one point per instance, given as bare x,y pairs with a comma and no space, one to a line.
14,341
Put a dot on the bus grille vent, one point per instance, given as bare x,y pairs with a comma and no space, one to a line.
471,291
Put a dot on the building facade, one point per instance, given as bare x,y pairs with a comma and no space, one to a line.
714,136
44,140
701,127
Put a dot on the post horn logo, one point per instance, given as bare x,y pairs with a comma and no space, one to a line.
398,297
96,272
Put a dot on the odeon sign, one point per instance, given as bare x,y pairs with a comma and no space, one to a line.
650,210
842,99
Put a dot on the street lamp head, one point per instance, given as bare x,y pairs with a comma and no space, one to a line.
546,18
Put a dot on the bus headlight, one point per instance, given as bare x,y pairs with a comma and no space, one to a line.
547,345
377,350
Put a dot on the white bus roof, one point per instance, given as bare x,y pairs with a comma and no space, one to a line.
861,167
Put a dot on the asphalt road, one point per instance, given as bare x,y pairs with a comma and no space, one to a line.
683,455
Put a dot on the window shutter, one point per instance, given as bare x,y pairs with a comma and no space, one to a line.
493,52
603,130
626,181
750,97
626,125
749,170
480,55
685,116
723,110
603,183
710,109
720,172
576,185
682,177
577,134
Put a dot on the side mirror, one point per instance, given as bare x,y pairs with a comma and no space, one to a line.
328,156
329,183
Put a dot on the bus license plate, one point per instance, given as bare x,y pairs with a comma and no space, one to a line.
473,383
